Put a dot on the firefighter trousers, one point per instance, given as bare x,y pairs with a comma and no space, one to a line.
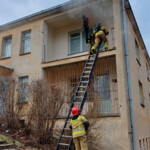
100,36
81,143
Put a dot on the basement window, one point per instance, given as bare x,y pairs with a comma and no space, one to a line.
23,89
77,42
26,42
7,47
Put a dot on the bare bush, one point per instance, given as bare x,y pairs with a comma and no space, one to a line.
95,129
9,109
46,102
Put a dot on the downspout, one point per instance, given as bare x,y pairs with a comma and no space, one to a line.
128,73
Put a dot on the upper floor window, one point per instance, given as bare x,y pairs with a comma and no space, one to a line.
141,93
26,42
77,42
137,51
7,47
23,89
148,72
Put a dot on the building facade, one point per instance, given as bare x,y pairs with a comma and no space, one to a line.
51,45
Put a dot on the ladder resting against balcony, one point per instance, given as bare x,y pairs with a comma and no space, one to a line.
78,100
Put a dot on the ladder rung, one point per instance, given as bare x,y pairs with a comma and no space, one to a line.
86,72
85,76
78,96
88,67
89,63
84,81
67,128
66,136
91,59
80,91
76,102
63,144
82,86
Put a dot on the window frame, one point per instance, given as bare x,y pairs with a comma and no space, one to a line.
141,92
81,41
148,72
27,86
102,89
137,50
4,46
22,52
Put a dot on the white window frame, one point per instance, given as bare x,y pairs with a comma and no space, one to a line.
8,54
78,31
23,51
81,42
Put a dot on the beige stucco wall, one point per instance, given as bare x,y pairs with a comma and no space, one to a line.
29,64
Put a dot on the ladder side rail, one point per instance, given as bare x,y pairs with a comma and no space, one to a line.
83,100
80,79
64,127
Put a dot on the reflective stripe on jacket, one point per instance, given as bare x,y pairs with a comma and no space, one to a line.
78,128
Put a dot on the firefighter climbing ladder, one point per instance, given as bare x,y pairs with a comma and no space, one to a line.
79,98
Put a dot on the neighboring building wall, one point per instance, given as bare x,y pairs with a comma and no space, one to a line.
139,77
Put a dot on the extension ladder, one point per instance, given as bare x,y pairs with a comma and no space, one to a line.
79,98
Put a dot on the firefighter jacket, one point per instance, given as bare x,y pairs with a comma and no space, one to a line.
78,126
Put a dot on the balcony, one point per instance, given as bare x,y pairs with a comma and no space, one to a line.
103,87
59,29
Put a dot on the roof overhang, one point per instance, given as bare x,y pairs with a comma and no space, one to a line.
5,70
44,13
136,28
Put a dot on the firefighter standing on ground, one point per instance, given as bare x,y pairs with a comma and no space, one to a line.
79,126
100,34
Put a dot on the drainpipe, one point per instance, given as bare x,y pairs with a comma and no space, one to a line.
128,73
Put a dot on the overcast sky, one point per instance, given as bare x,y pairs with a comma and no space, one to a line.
14,9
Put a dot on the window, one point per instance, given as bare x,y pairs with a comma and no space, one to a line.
103,90
103,87
144,144
26,42
7,47
147,147
137,51
147,68
140,145
141,93
23,89
77,42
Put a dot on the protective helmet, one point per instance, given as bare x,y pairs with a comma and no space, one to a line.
97,27
76,111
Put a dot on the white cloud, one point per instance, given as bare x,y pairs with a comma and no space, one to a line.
13,9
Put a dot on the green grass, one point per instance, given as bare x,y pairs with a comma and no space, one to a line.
11,141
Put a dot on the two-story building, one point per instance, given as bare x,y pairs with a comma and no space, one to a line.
51,45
